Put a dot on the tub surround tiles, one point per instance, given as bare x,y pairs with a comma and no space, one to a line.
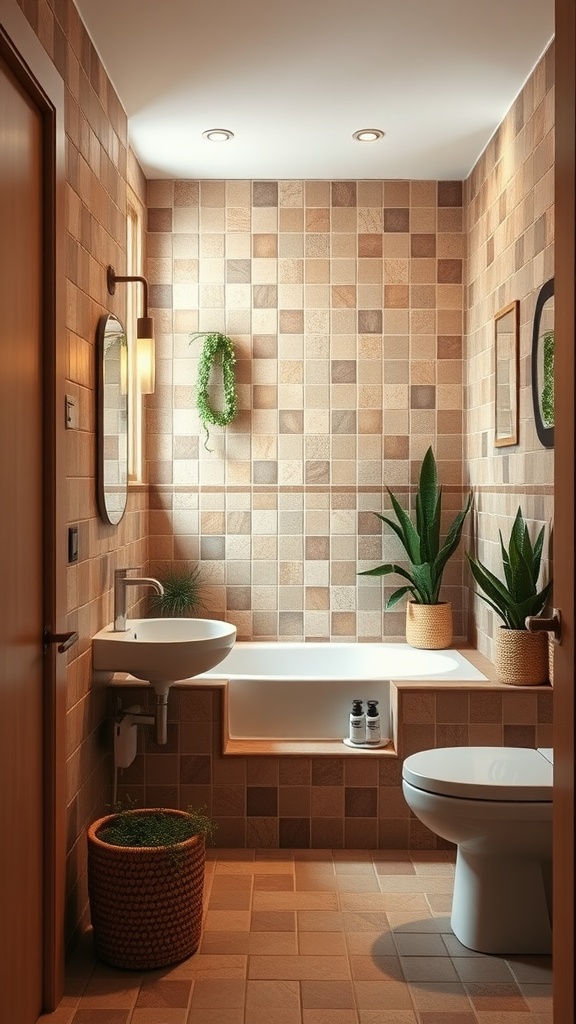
344,300
319,937
282,800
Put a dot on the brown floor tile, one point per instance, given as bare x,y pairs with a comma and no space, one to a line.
310,880
231,900
419,944
388,901
322,944
441,997
227,921
370,943
273,943
273,921
279,1015
374,995
531,969
157,1015
224,943
218,993
321,968
272,994
160,993
428,968
455,947
273,883
357,883
463,1017
100,1016
336,995
488,969
538,997
329,1016
115,993
216,1016
374,968
295,901
216,966
320,921
231,883
387,1017
365,921
408,920
496,997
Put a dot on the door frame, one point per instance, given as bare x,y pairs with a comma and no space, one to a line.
29,62
564,531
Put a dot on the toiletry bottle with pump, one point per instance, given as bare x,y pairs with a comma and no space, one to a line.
373,733
357,732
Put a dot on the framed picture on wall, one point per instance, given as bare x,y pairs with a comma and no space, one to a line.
506,375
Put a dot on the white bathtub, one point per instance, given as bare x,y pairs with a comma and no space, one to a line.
290,691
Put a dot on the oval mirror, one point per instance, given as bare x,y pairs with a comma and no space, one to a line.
112,376
543,364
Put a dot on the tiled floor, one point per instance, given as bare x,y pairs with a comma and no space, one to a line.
319,937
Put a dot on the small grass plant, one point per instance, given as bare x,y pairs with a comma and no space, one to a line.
156,827
182,592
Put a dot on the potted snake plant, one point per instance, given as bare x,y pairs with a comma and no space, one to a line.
146,885
428,619
521,657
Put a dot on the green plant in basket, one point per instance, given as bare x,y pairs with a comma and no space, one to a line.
155,827
426,551
518,597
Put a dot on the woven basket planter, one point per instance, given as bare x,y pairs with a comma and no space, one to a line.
429,626
145,902
521,657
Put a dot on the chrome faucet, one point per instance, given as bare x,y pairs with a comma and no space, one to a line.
121,582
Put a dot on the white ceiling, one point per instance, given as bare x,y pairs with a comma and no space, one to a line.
293,80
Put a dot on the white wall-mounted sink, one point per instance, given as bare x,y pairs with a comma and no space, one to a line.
163,650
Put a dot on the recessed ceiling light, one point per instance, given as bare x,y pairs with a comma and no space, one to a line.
368,135
218,135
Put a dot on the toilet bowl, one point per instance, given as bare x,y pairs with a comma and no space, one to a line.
495,804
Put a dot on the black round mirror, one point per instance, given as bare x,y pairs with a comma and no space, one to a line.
543,364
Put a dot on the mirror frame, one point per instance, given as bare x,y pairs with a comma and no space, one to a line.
107,512
511,359
545,434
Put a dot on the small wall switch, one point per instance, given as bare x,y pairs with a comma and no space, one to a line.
72,544
71,413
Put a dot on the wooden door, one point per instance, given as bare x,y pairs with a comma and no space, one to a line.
564,530
21,554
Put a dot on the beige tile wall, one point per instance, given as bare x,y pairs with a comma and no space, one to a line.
98,166
509,207
344,301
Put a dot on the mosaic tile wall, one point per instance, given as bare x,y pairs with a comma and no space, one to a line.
509,200
344,300
349,802
98,167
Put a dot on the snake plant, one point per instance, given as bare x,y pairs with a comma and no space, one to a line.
519,596
427,553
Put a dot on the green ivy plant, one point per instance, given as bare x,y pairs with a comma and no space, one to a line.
218,349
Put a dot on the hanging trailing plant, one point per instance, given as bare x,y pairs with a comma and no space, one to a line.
218,350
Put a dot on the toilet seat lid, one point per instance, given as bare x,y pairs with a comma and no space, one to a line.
481,773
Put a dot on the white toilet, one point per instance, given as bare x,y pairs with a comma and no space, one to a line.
495,804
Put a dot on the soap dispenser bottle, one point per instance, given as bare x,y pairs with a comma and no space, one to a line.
373,733
357,733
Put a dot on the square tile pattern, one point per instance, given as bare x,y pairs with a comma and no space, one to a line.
318,937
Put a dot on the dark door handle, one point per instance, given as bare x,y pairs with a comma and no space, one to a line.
64,640
540,624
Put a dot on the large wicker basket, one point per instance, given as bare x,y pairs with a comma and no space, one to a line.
521,657
145,902
429,626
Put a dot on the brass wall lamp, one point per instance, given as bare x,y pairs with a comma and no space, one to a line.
145,354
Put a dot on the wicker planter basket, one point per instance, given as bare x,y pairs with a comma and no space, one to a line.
429,626
521,657
145,902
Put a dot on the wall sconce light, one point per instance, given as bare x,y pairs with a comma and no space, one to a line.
145,354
